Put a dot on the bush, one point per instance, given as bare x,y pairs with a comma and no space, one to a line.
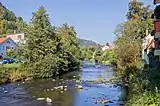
17,75
4,75
12,74
108,56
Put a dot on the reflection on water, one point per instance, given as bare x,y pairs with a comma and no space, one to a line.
26,94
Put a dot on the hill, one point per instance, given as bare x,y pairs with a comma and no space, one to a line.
9,21
84,42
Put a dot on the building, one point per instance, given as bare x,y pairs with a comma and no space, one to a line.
17,37
106,47
6,43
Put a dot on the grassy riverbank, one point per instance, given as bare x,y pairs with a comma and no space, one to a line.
12,73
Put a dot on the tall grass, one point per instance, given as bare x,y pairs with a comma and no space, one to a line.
12,73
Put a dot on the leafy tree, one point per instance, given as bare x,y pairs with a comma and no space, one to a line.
50,50
41,44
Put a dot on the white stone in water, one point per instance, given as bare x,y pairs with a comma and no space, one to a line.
61,87
80,87
40,98
65,86
48,100
5,91
56,87
53,80
77,81
105,101
61,91
65,89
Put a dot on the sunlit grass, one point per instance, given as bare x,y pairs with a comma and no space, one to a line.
14,65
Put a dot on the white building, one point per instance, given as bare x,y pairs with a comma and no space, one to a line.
5,44
17,37
104,48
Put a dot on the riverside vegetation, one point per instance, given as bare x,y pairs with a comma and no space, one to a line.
49,50
142,83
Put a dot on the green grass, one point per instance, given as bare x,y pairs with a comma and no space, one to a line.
14,65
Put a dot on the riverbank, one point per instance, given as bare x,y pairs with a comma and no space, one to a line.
142,86
13,73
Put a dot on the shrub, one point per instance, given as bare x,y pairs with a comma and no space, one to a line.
17,75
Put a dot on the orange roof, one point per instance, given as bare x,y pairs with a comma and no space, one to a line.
3,39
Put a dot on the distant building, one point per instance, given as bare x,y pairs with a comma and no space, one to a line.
5,44
106,47
17,37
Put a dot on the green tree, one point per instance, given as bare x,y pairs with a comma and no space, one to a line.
41,45
69,45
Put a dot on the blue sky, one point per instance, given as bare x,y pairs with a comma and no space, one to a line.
93,19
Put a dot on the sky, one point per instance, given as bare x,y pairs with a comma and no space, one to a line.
93,19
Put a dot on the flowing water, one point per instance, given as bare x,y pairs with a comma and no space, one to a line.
34,93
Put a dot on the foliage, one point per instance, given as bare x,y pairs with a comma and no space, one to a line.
14,65
137,10
108,56
10,21
12,73
49,50
17,75
143,83
10,53
87,52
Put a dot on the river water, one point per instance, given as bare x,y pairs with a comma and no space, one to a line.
28,93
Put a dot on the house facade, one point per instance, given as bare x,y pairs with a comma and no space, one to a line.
6,43
17,37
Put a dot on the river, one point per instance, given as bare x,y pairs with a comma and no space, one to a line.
33,93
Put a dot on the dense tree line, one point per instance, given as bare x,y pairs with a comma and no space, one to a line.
49,50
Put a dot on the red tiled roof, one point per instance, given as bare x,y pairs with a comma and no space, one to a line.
3,39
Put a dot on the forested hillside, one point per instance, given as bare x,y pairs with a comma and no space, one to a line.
10,22
86,43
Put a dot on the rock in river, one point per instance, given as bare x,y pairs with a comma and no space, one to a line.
40,98
80,87
48,100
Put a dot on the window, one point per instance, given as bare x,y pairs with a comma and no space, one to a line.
7,47
8,41
19,36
